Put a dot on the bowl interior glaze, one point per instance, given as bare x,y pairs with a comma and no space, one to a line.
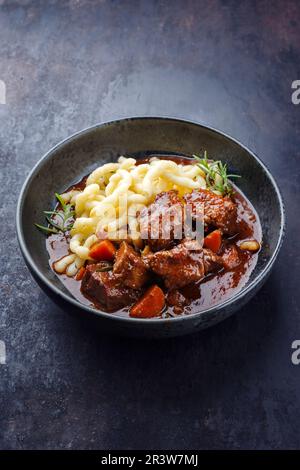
78,155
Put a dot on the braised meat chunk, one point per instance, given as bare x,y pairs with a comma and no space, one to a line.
231,257
105,288
214,210
129,267
162,222
179,266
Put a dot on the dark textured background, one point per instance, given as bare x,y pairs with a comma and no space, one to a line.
70,64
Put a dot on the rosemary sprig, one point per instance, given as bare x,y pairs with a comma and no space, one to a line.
216,175
46,230
60,220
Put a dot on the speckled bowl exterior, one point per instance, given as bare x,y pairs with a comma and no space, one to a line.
78,155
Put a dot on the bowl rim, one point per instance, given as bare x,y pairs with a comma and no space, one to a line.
159,321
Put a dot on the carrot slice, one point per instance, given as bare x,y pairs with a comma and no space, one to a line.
103,251
150,304
213,241
80,274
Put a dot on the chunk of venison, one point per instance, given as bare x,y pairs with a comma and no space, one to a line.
177,301
162,222
212,262
105,288
184,264
179,266
231,257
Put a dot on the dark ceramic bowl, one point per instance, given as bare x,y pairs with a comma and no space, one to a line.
78,155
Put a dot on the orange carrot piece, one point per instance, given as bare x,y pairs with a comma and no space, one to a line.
80,274
150,304
103,251
213,241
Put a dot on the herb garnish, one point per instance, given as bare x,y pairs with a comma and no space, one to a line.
216,174
60,220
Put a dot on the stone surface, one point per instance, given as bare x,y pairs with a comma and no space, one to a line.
70,64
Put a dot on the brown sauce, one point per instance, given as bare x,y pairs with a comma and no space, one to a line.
212,290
